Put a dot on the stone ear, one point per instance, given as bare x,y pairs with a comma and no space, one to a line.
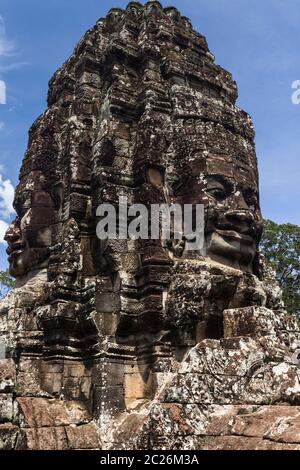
57,195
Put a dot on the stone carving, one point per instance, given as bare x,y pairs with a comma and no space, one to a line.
111,339
31,236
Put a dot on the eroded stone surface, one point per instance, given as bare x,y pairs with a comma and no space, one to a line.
143,344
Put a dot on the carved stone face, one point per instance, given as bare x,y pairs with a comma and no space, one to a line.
227,186
233,218
31,234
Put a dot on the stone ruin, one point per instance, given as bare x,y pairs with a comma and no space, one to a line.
134,344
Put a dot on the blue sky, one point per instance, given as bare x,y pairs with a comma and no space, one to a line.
257,41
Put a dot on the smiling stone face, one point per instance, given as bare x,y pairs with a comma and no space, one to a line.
233,217
234,222
217,168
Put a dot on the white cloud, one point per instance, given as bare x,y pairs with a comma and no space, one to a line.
7,51
3,228
13,66
2,125
6,198
7,47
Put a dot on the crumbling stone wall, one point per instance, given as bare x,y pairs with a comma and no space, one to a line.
240,392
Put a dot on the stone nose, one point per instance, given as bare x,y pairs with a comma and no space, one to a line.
240,202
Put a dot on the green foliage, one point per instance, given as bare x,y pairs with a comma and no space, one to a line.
6,283
281,247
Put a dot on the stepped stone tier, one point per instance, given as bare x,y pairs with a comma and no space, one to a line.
130,344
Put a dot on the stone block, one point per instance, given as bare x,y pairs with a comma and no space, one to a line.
277,423
134,386
83,437
8,436
31,376
6,407
40,412
7,375
108,374
109,399
251,321
48,438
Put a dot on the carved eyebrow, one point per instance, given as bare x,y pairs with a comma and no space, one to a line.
215,184
221,180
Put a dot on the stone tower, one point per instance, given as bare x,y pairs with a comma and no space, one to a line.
135,343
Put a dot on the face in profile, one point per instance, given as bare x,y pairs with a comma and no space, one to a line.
31,234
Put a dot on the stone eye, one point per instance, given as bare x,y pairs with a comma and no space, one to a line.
22,204
217,193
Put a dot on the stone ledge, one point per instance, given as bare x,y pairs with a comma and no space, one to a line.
256,322
40,412
60,438
277,423
242,443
